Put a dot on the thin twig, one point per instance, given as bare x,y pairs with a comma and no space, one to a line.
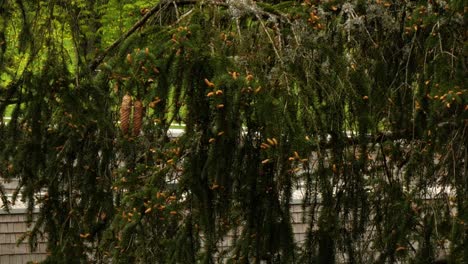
162,6
99,59
270,38
184,16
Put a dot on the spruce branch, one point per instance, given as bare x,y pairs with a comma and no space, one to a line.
163,5
153,11
9,101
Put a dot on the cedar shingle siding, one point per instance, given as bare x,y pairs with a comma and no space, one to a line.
12,226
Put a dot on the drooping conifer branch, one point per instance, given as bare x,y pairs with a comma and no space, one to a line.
266,93
160,7
165,4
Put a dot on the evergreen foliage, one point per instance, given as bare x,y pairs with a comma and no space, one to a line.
360,104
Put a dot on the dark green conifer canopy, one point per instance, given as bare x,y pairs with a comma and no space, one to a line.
359,106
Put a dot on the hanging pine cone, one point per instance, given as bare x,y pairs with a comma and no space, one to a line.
125,110
137,117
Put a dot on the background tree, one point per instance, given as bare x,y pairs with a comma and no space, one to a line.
362,105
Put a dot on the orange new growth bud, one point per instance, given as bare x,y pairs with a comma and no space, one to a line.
85,235
264,146
270,141
209,84
234,75
275,141
296,155
129,58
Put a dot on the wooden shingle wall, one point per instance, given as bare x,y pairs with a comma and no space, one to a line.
13,226
299,223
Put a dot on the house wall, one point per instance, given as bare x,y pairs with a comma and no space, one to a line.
13,226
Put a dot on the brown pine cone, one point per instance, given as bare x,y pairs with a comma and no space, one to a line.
125,110
137,117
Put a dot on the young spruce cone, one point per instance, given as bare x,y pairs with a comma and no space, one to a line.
137,117
125,110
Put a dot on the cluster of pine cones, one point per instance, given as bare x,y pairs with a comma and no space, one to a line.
126,110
